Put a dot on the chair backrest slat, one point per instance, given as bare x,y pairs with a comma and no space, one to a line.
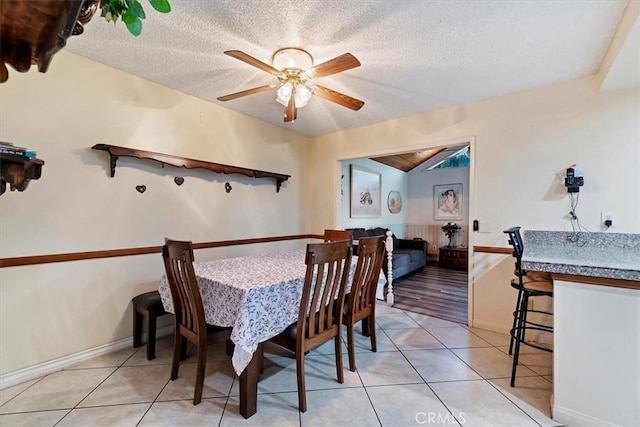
324,287
187,301
365,280
515,240
336,235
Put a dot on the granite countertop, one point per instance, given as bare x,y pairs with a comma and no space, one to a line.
608,255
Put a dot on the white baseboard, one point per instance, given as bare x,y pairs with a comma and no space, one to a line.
36,371
573,418
491,326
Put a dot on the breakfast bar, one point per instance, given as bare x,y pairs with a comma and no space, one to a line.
596,309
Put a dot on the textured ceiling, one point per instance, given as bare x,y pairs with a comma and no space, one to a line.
416,56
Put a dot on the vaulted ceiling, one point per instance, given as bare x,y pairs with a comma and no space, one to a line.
416,56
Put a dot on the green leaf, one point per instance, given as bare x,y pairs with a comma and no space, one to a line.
137,8
135,27
130,11
118,7
129,17
161,6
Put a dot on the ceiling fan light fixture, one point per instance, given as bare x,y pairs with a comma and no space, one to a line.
284,93
292,58
303,95
293,67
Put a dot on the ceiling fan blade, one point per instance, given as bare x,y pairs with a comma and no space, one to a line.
253,61
291,112
246,92
338,98
336,65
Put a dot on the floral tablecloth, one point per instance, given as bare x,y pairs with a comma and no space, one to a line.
257,295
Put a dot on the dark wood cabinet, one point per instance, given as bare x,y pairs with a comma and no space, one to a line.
455,258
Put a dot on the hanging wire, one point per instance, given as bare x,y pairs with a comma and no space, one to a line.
574,199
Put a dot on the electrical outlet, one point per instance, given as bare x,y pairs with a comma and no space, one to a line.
608,216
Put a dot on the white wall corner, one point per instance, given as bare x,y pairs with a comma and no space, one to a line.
622,53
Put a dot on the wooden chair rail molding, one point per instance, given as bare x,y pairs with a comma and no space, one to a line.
115,151
78,256
493,250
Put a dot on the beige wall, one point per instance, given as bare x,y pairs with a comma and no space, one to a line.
54,310
519,142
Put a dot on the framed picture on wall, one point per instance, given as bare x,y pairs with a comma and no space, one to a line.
447,202
365,192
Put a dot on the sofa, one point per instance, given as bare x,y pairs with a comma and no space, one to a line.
408,255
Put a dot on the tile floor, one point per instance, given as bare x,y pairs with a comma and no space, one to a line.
427,371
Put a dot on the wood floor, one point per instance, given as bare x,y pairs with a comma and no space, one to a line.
434,291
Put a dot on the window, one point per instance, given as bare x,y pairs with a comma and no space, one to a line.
459,160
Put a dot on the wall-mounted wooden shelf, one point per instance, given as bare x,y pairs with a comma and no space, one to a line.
183,162
17,171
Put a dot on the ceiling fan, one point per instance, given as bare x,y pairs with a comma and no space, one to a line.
293,67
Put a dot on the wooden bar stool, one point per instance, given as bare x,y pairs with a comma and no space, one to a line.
148,304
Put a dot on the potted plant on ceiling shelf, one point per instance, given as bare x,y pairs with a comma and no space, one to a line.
130,12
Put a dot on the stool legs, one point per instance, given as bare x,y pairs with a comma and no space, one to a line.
520,322
138,320
137,327
151,337
516,315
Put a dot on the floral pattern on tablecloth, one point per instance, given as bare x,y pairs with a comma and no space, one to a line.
257,295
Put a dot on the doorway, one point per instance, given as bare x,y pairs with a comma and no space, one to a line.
437,290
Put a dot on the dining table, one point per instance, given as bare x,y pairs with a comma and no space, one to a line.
258,296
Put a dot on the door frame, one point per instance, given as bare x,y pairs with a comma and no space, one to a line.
471,140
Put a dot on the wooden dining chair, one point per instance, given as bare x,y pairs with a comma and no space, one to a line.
188,316
335,235
321,307
361,304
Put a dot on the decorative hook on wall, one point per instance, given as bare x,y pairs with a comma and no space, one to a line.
141,188
227,187
178,180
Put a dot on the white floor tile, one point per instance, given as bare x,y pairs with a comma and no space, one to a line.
130,384
395,321
31,419
477,403
60,390
339,408
274,410
218,379
11,392
387,389
386,368
532,395
440,365
185,413
491,363
407,405
413,339
459,337
117,415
